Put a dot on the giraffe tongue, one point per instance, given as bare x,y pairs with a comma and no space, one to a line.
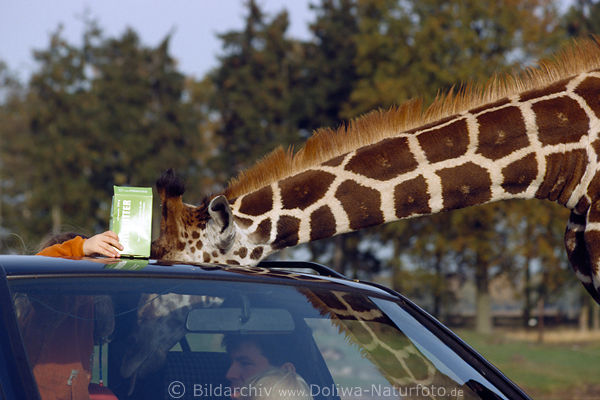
132,383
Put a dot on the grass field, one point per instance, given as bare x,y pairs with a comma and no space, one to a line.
557,370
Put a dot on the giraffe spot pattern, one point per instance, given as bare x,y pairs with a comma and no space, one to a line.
242,252
557,87
501,132
383,160
466,177
362,204
518,175
596,147
257,203
335,162
594,187
243,222
454,137
563,173
589,89
287,232
263,231
322,223
256,253
304,189
411,197
495,104
554,115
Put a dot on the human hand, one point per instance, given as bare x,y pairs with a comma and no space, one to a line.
105,244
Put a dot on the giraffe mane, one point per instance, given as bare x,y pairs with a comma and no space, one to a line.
326,143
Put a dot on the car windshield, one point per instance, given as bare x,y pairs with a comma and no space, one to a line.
166,338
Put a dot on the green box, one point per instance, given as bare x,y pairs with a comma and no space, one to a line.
131,219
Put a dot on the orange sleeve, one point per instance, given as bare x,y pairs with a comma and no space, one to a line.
70,248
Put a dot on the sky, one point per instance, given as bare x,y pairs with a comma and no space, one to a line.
26,25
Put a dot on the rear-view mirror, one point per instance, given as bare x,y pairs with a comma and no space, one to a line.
249,320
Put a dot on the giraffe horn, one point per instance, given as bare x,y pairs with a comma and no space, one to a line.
170,185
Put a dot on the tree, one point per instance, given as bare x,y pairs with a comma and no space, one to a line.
435,45
253,85
582,18
109,112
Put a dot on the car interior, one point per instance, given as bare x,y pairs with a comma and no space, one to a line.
151,333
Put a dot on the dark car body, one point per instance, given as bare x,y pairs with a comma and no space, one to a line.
342,331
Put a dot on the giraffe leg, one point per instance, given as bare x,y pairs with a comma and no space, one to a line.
582,240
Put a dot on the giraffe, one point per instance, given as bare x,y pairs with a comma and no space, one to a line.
527,135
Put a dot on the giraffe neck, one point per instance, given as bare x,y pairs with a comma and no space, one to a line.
536,144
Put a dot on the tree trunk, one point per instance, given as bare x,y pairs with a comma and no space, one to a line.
338,254
540,314
527,290
56,215
438,286
584,314
483,301
595,316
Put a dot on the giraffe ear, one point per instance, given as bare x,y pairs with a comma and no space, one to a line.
221,219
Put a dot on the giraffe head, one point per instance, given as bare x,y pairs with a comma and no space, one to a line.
206,233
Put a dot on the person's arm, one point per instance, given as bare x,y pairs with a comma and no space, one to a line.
70,248
105,244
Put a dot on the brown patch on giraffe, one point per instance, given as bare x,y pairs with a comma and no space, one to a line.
322,223
465,185
304,189
232,262
336,161
495,104
193,249
441,144
432,124
411,197
256,254
557,87
594,187
519,174
582,206
362,204
287,232
589,89
195,235
205,257
501,132
199,244
596,147
563,173
560,120
383,160
257,203
180,246
243,223
242,252
262,232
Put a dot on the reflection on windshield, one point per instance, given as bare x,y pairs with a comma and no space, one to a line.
141,338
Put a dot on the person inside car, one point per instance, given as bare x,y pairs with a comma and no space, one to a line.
277,384
253,355
58,330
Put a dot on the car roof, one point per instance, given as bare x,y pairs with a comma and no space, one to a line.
287,272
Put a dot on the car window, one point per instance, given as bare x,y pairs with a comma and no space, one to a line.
147,338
